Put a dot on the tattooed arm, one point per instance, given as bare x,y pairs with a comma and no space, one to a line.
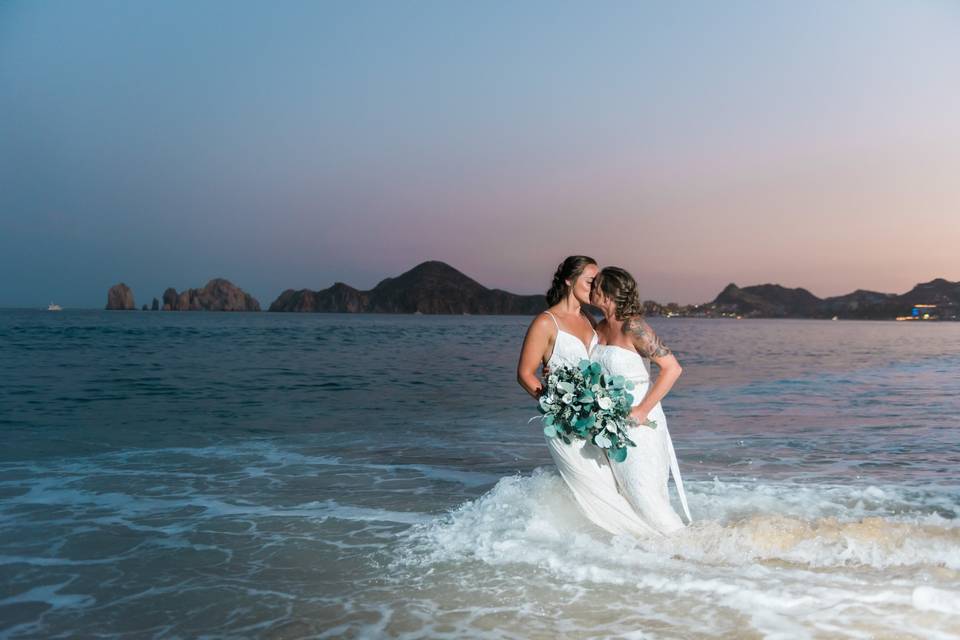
648,344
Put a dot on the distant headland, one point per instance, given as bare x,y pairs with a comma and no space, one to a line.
431,287
435,287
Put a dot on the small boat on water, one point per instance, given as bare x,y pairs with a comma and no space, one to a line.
54,307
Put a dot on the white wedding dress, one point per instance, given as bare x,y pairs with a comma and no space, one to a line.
642,477
583,466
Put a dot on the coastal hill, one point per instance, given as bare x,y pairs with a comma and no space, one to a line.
435,287
431,287
770,300
775,301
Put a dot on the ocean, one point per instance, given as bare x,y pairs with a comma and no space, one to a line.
217,475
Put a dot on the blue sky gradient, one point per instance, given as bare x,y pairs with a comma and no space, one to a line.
294,144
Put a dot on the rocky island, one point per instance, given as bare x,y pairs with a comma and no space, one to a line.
120,298
217,295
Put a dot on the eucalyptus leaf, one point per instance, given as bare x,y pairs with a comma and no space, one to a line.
586,422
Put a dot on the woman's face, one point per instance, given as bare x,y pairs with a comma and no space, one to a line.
599,300
582,285
596,297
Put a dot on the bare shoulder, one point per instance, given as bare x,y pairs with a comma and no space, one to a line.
644,338
542,324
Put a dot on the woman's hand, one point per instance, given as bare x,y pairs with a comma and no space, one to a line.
639,413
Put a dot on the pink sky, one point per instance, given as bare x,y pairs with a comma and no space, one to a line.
292,145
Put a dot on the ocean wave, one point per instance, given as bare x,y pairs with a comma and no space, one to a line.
523,519
762,559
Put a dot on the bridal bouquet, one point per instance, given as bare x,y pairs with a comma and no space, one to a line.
582,402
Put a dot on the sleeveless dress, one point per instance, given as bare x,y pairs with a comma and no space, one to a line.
643,476
583,466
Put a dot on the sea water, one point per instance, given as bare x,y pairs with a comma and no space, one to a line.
311,476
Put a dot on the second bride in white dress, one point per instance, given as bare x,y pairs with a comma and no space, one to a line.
629,344
563,336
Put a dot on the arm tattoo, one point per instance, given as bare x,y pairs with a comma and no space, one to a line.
648,343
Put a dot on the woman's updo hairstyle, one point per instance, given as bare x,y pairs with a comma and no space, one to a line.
619,286
569,269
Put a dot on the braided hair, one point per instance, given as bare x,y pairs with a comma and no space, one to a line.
618,285
569,269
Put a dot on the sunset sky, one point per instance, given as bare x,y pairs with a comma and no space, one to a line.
294,144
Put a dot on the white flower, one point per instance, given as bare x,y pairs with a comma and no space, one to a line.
605,403
595,388
553,380
610,426
602,441
567,398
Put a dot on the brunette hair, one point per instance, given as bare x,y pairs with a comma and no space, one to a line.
569,269
618,285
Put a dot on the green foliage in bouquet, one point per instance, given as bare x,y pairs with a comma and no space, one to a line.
582,402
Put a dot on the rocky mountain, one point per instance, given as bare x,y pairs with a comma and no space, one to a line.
768,300
217,295
120,298
861,304
340,297
431,287
775,301
938,291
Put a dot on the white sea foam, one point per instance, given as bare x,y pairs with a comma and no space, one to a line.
933,599
787,559
736,522
777,559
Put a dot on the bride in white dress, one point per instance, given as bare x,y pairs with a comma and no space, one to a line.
629,345
564,335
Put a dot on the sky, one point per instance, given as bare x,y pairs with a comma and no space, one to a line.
295,144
